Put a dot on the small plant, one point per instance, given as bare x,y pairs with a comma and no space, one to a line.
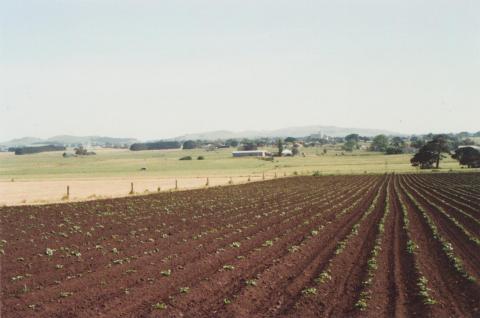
411,246
309,291
235,244
76,253
323,277
227,301
186,158
294,248
65,294
228,267
19,277
200,158
361,304
49,251
251,282
166,273
184,290
159,306
316,173
372,264
340,247
268,243
424,291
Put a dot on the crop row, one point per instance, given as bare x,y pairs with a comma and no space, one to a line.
446,245
372,264
444,200
412,248
116,237
293,248
449,193
470,236
293,212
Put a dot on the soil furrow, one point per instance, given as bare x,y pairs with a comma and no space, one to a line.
452,292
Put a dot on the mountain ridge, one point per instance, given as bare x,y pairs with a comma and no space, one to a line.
297,131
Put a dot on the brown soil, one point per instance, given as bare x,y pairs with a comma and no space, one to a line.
241,251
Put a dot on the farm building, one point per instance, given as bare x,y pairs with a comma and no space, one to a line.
250,153
287,153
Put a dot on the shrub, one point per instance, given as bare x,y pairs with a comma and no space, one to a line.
155,145
200,158
186,158
189,144
394,150
38,149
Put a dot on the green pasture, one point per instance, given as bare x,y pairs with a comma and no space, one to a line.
161,163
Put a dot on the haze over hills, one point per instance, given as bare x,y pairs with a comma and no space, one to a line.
67,140
301,131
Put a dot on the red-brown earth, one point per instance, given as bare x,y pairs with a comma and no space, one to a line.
330,246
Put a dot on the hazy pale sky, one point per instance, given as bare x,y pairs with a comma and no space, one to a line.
154,69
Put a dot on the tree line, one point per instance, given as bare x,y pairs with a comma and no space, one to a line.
433,151
35,149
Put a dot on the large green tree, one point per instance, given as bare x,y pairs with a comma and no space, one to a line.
424,159
380,143
189,144
467,156
432,152
398,142
231,142
349,145
280,147
351,142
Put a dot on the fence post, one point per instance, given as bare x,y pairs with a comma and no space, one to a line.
263,175
207,183
176,184
249,179
159,189
131,188
68,191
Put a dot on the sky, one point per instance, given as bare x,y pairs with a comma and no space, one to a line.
156,69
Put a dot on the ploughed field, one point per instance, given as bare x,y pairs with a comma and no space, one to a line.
366,246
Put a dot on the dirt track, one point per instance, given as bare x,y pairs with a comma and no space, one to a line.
290,247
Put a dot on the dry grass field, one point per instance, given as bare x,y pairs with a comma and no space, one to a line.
44,177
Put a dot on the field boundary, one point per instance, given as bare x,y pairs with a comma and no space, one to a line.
40,192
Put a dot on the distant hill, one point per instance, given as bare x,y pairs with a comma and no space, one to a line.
302,131
19,142
68,140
